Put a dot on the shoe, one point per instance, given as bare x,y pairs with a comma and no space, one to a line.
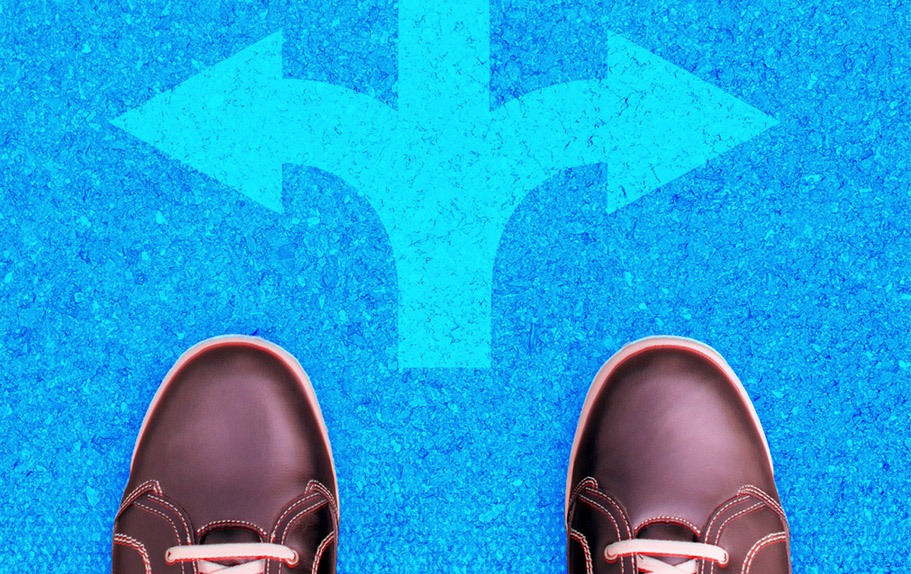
670,470
232,470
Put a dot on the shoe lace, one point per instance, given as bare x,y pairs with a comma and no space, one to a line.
644,549
256,552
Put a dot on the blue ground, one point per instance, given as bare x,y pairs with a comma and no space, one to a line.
789,254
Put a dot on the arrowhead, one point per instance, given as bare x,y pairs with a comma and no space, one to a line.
220,122
668,123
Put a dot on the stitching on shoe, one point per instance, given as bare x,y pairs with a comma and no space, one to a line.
587,482
284,529
573,498
179,514
761,494
764,502
124,540
161,514
184,521
763,542
241,523
606,512
616,505
749,510
315,484
291,508
739,499
579,537
758,492
319,551
738,514
596,504
319,488
667,519
137,492
300,515
591,485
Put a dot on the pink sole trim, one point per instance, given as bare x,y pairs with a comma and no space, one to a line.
245,341
659,342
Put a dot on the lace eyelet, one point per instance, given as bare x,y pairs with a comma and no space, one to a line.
724,560
294,560
610,557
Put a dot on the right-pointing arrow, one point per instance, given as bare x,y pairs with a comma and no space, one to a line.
646,119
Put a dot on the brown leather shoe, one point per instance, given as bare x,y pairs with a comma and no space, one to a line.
670,471
232,471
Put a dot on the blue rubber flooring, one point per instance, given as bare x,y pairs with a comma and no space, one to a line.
789,253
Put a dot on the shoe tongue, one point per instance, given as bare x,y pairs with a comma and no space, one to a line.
668,532
230,535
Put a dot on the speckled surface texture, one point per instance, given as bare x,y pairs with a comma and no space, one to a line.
787,253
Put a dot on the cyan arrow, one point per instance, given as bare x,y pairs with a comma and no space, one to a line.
444,171
239,121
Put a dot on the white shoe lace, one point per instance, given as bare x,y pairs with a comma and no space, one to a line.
647,565
257,552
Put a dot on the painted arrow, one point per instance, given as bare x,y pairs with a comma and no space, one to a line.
443,171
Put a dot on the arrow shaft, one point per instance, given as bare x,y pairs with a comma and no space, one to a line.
445,277
444,60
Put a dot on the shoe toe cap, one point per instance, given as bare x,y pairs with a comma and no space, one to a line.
671,434
233,429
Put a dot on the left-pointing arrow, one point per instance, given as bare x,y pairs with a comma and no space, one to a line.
239,121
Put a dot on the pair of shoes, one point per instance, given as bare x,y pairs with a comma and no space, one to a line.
233,472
